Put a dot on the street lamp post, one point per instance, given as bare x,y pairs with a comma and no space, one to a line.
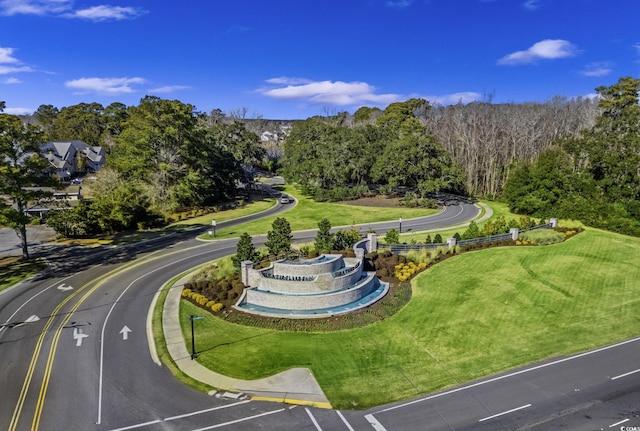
193,336
213,223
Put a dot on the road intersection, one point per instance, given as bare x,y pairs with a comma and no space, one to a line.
75,356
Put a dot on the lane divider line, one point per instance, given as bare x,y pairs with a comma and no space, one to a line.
505,413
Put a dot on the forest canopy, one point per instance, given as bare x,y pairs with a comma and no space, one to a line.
574,158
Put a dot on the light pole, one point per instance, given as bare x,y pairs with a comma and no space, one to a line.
213,223
193,336
400,224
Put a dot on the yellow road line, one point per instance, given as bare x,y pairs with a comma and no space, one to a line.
54,345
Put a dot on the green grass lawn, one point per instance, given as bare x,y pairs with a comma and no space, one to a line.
248,209
307,213
470,316
13,270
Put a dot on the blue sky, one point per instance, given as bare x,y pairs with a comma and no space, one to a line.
292,59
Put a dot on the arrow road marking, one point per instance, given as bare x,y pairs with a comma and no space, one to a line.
125,332
64,287
78,336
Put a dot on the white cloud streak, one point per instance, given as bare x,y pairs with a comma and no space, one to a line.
105,13
18,111
10,64
463,97
34,7
399,4
168,89
531,5
336,93
108,86
597,69
6,55
11,81
548,49
354,94
65,9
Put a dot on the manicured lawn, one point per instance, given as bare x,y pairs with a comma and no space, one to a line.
248,209
307,213
470,316
13,270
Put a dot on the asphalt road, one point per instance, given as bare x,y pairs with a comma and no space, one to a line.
75,356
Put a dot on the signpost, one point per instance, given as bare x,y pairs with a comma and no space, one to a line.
213,223
400,224
193,338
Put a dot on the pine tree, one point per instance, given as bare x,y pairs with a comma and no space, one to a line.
279,239
245,250
323,238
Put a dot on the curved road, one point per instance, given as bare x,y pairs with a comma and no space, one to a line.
74,354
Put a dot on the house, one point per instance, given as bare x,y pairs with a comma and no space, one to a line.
71,157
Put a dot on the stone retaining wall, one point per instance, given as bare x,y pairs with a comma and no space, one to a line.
311,302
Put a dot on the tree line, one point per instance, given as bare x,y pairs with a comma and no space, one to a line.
161,156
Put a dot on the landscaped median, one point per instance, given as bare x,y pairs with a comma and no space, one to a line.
470,316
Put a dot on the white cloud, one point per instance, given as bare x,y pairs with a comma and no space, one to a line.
336,93
531,5
18,111
5,70
34,7
548,49
110,86
65,9
463,97
289,80
6,55
11,81
399,4
105,13
355,94
597,69
10,64
167,89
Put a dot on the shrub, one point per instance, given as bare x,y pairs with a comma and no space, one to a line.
542,237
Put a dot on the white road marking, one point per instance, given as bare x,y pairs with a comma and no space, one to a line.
173,418
625,374
349,427
27,301
504,413
64,287
78,336
199,412
248,418
618,423
506,376
125,332
313,419
104,326
374,423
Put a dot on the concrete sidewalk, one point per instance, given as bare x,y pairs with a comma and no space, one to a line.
294,386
